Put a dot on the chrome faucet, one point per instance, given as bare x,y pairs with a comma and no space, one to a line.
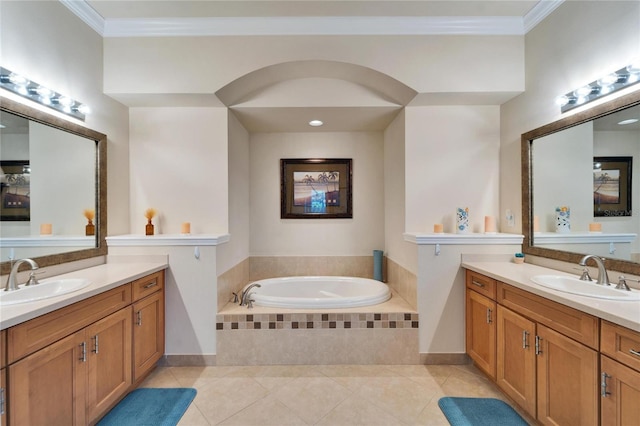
244,298
603,277
11,281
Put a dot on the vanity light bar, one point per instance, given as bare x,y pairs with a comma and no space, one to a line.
624,77
31,90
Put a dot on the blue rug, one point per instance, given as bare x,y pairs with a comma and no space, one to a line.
150,406
479,412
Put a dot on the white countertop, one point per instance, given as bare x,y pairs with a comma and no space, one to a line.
103,277
624,313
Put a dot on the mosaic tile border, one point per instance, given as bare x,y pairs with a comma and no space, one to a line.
316,321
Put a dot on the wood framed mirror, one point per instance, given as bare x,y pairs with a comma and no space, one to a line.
61,182
534,191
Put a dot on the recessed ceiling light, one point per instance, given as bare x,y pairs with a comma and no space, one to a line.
315,123
629,121
2,126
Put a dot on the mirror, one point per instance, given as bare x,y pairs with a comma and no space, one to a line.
53,180
586,168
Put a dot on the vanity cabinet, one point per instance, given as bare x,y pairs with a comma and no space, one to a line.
546,354
72,365
620,375
148,324
480,323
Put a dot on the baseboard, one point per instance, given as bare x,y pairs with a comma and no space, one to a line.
444,359
187,361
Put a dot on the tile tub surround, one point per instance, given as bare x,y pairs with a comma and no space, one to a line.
262,267
231,282
404,282
380,334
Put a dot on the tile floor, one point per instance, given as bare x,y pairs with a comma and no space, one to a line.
322,394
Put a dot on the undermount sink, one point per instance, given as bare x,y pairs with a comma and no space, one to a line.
573,285
44,290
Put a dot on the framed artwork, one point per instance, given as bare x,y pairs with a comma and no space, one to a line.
612,186
15,201
315,188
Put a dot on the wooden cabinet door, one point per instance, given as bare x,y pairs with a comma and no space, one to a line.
567,380
481,332
3,397
619,394
148,333
48,387
109,361
516,359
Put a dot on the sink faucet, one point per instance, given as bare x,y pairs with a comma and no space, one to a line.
603,278
244,298
11,281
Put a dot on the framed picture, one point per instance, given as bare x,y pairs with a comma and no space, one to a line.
15,201
612,186
315,188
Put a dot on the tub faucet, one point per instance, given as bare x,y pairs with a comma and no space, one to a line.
244,297
11,281
603,278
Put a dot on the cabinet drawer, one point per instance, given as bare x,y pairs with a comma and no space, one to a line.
571,322
482,284
147,285
35,334
621,344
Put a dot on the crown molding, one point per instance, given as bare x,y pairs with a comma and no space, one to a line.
337,25
540,11
463,239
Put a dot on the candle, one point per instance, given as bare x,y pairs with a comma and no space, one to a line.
536,224
438,228
45,229
595,227
185,228
489,225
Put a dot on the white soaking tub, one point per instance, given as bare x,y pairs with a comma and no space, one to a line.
319,292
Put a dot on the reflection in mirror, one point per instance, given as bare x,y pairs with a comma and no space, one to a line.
53,181
579,186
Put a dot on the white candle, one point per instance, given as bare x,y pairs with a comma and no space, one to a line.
185,228
489,224
45,229
536,224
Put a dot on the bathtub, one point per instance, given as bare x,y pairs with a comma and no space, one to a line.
319,292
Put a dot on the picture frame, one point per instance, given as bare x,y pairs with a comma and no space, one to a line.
612,186
15,202
316,188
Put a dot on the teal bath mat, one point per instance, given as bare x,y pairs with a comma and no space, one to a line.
479,412
150,406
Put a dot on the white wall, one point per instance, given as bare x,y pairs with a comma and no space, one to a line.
46,42
396,248
578,43
179,166
438,64
272,236
237,249
452,160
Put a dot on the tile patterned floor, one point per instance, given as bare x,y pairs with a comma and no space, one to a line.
323,395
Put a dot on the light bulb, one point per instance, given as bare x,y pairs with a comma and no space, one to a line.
84,109
583,91
562,100
44,92
65,101
17,79
608,80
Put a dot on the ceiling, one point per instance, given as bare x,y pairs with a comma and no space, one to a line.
131,18
116,9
